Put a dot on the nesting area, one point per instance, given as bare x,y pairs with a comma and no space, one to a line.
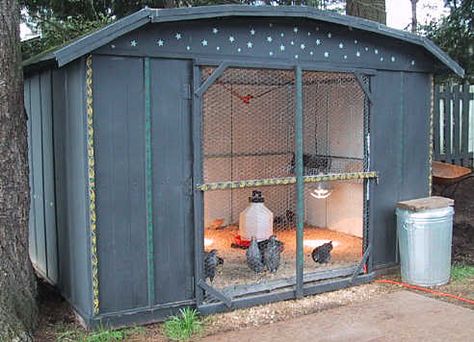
347,251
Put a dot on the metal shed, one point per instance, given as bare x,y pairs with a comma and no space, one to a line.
147,137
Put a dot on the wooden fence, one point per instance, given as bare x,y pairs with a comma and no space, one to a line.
453,126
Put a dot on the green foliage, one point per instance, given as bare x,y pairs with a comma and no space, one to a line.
455,33
99,335
461,272
183,326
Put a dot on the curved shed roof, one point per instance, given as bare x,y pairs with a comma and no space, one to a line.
87,44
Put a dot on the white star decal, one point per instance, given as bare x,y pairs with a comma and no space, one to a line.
282,47
204,42
133,43
329,35
412,62
252,32
341,46
161,42
269,39
188,48
178,36
295,29
218,48
311,53
231,39
296,56
292,43
366,48
376,51
355,41
392,59
112,46
271,53
317,28
358,54
318,42
270,25
345,56
215,30
309,34
302,46
326,54
249,45
282,34
381,59
239,49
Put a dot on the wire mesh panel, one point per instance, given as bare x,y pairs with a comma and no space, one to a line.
335,120
248,135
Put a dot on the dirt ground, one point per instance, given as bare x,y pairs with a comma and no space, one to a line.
463,228
347,251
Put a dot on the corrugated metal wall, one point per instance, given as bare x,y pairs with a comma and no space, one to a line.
59,234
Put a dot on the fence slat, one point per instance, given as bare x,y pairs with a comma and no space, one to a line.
447,124
451,121
437,148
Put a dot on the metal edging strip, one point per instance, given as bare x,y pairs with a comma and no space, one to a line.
149,185
91,179
299,181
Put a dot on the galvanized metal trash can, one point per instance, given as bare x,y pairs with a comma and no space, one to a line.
425,228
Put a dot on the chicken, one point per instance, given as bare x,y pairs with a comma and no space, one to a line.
322,254
211,261
271,254
254,257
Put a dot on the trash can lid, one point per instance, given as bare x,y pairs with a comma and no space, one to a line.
427,203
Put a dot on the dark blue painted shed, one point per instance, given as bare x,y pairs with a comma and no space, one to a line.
147,137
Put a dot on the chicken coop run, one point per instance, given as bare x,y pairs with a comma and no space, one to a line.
224,156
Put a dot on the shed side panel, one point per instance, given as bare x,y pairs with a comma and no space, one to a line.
172,179
417,105
386,158
48,177
39,259
69,120
120,180
32,217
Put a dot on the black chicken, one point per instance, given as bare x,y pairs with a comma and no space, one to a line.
211,261
254,257
271,254
322,254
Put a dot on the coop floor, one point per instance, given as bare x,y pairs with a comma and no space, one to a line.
347,252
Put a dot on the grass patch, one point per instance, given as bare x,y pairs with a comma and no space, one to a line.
183,326
99,335
461,272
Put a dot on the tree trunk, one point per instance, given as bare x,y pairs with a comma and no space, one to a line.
18,308
367,9
414,21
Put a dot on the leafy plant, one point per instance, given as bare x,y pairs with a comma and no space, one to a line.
462,272
183,326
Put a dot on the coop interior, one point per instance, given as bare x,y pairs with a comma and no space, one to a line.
249,135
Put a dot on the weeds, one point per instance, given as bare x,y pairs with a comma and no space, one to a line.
183,326
100,335
461,272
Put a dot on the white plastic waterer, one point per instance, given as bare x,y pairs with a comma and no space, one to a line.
256,220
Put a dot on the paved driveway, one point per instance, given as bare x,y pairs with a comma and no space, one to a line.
399,316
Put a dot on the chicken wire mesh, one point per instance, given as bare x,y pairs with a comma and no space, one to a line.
335,114
248,133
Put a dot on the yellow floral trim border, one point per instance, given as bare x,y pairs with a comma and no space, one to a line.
286,181
91,172
431,136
